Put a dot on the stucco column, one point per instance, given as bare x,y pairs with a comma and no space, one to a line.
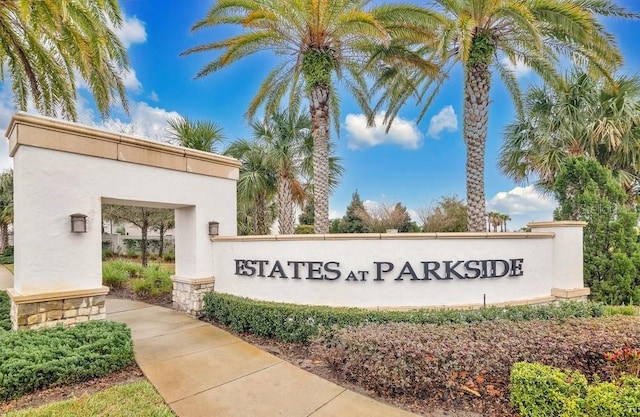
568,261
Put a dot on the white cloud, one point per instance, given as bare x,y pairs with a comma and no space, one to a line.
523,205
403,132
371,205
131,31
518,68
153,96
446,120
146,121
130,81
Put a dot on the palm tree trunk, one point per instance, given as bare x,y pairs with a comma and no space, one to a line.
261,216
285,206
319,102
476,111
143,242
161,232
4,242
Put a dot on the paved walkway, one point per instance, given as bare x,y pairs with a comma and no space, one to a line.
203,371
6,278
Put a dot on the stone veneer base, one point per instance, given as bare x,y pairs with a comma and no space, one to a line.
189,292
35,311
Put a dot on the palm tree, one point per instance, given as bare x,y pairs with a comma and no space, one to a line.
479,34
591,117
284,135
504,218
494,220
200,134
46,44
320,42
6,207
256,185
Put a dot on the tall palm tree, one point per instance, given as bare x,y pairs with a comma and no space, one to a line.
6,207
46,45
257,183
199,134
590,116
319,42
479,34
284,135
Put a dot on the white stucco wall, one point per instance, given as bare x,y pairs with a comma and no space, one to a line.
536,281
49,185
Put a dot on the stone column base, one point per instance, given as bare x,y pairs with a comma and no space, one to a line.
189,292
576,294
35,311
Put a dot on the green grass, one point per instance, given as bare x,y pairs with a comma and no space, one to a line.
138,399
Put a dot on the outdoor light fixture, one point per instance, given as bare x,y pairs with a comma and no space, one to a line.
78,223
214,228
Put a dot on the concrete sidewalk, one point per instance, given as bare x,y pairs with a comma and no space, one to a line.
6,278
203,371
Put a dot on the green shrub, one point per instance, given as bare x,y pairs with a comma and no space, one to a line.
304,229
415,361
154,282
299,323
169,256
6,257
543,391
114,277
5,309
35,359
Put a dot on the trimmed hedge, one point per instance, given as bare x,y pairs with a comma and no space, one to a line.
5,310
470,362
544,391
36,359
299,323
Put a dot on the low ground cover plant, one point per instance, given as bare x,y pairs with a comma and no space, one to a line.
544,391
150,281
35,359
298,323
471,363
5,306
120,400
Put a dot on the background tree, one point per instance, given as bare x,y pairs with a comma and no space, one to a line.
587,191
320,42
283,135
6,207
199,134
256,185
383,217
449,214
306,217
477,34
46,44
593,117
145,218
163,222
353,220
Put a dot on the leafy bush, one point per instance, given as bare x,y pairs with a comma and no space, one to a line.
298,323
453,360
543,391
304,229
155,281
7,256
169,256
35,359
5,310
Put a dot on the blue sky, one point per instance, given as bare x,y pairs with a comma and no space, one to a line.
415,164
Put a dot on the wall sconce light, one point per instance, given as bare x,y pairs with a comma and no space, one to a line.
78,223
214,228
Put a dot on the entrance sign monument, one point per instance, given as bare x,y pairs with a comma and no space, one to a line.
63,169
